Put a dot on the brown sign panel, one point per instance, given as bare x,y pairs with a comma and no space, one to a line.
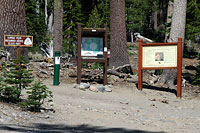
18,40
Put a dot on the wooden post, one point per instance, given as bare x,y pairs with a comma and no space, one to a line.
105,57
179,67
18,52
140,65
79,55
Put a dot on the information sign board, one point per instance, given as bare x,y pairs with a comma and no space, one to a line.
152,56
18,40
159,56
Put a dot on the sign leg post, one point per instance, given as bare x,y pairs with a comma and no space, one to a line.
105,73
179,67
79,65
18,52
79,71
140,65
140,79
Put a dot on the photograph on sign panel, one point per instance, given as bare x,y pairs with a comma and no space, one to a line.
92,46
159,56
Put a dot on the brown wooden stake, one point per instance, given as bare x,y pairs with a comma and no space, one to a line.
105,57
79,55
140,65
18,52
179,67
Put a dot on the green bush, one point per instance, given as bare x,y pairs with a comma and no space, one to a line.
16,77
36,96
197,76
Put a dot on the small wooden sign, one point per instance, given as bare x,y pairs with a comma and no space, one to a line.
18,40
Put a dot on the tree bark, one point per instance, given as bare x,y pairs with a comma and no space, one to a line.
177,30
58,26
12,22
170,10
118,43
155,16
178,20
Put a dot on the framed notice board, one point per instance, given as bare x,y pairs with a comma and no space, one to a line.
92,47
160,56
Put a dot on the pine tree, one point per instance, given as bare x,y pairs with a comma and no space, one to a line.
16,78
138,12
95,20
118,46
13,22
193,19
103,7
35,20
71,17
197,76
37,94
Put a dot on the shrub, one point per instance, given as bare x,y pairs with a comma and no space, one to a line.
16,78
36,96
197,76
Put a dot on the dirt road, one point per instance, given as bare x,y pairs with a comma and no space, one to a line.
125,109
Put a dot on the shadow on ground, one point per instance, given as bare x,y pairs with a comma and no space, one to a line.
49,128
150,87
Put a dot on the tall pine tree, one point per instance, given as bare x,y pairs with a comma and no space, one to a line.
71,17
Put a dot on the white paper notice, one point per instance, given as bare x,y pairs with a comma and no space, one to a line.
159,56
105,49
57,60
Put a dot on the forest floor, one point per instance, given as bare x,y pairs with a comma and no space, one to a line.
125,109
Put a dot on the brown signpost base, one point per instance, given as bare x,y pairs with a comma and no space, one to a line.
178,66
18,52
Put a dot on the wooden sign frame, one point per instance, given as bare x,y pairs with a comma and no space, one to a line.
19,36
178,65
92,32
20,39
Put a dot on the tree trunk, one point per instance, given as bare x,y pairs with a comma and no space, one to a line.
155,16
178,20
170,10
118,46
12,22
177,30
58,25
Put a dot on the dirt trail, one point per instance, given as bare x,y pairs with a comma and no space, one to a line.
125,109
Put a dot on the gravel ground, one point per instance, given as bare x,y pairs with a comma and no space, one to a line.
125,109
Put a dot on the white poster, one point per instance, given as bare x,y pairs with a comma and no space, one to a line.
57,60
159,56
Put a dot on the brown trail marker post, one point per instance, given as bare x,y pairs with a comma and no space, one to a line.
18,41
92,47
160,56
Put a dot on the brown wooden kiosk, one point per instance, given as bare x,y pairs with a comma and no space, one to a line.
89,51
160,56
